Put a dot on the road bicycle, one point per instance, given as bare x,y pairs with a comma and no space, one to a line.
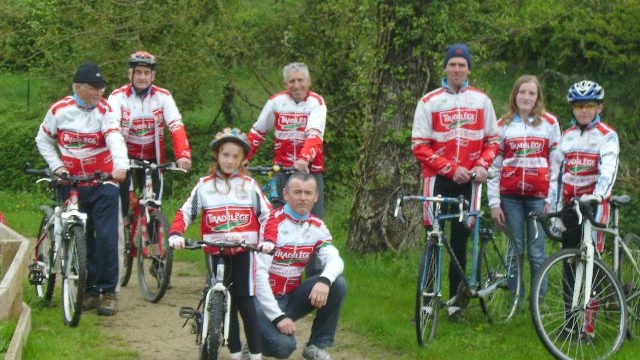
211,325
61,244
271,187
495,279
146,236
583,313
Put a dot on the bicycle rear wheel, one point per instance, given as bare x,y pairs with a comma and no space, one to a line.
74,275
43,274
499,274
155,257
589,331
428,293
128,254
630,279
210,345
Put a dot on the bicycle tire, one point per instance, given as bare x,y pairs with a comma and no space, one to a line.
428,293
499,274
127,256
45,254
156,255
630,280
74,275
565,332
210,345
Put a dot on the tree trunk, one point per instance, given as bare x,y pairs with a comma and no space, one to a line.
387,166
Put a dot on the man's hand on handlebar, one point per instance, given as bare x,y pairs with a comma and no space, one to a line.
119,175
176,241
480,174
184,163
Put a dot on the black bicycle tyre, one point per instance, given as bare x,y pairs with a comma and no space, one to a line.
154,287
496,268
630,280
548,312
427,284
46,255
74,275
127,256
210,346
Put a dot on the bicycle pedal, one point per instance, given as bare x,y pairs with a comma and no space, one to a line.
36,276
187,312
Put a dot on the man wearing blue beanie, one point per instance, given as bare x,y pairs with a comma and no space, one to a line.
455,137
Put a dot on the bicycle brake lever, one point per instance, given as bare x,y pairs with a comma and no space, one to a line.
461,210
576,206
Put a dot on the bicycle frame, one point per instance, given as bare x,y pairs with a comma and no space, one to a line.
216,284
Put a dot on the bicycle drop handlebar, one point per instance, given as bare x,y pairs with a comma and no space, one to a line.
580,207
460,201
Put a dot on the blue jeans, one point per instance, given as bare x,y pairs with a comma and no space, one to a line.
516,211
296,305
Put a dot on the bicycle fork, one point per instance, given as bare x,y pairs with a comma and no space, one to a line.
218,286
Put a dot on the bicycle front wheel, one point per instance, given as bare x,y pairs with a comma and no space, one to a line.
155,257
45,257
499,276
594,330
128,254
210,345
630,279
74,275
428,293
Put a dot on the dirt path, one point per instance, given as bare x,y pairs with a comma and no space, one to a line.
156,332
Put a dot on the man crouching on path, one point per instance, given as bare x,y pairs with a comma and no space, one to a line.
282,296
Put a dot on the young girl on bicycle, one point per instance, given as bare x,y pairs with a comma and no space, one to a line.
233,208
528,137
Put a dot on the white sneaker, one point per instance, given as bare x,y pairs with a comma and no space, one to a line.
312,352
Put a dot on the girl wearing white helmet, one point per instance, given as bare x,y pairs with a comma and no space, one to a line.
233,207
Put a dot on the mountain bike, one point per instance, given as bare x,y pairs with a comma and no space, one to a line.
272,186
211,325
583,314
61,244
146,236
495,279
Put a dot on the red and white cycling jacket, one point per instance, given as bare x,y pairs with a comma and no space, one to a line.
143,119
454,129
233,210
296,240
89,140
299,129
586,163
522,165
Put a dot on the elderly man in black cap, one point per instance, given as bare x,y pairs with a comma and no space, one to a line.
89,139
455,137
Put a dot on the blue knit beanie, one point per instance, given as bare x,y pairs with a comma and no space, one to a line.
458,50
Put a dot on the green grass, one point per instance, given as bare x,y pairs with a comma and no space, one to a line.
6,333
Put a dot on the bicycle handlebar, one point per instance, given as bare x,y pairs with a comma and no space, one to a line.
195,244
272,169
460,201
145,164
47,173
580,207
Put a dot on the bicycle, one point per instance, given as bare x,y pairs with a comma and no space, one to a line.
61,244
272,186
146,236
211,326
583,314
495,279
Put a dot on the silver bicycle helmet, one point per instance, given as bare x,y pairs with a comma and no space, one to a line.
228,134
585,91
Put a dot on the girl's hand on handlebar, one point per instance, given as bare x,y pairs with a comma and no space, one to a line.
266,246
176,241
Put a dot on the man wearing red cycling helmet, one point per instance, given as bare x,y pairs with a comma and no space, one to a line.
144,110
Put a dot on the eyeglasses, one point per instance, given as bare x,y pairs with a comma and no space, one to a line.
589,105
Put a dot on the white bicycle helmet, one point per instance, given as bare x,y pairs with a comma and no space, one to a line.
585,91
234,135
